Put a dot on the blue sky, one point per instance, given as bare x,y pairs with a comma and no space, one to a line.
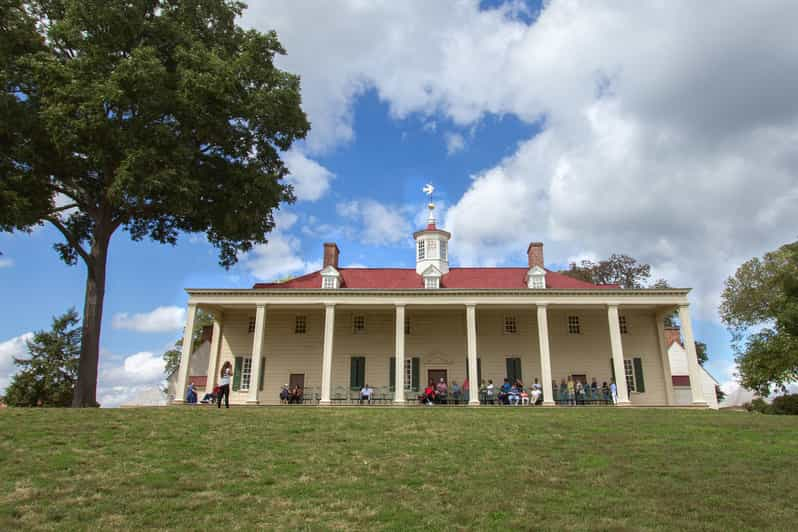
591,127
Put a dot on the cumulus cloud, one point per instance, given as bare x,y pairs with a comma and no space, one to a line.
668,129
16,347
310,179
454,143
161,319
136,378
5,262
281,256
381,224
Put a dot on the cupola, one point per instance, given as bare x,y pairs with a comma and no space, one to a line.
432,249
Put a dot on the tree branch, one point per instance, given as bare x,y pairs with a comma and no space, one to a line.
64,208
71,239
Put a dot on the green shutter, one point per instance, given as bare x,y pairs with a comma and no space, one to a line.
468,371
260,376
357,372
237,373
392,373
509,368
518,374
479,372
639,382
416,371
612,369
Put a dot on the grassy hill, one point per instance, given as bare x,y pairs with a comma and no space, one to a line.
584,468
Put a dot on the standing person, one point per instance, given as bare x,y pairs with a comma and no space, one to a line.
571,392
605,391
224,385
456,391
466,390
489,392
614,392
284,394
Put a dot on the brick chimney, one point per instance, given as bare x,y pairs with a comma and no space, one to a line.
331,255
672,336
535,254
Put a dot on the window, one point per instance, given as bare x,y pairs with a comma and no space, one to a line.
622,324
358,324
408,374
251,326
246,374
444,250
573,325
432,249
328,281
407,327
628,369
301,325
538,281
510,325
421,254
431,282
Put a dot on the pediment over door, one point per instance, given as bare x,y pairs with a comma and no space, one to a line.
437,360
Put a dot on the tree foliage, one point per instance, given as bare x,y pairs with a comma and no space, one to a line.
759,305
47,377
154,116
619,269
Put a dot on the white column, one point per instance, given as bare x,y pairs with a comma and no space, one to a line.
182,371
693,368
617,354
663,353
257,354
471,336
213,358
326,363
399,381
545,356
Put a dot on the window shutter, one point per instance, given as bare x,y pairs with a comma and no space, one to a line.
260,376
518,374
639,383
479,372
357,372
237,373
416,371
392,373
612,369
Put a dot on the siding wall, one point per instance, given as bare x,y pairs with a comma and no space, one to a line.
438,338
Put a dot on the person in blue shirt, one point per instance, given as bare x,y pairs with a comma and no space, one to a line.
504,393
191,395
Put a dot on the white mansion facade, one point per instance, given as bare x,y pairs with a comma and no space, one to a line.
334,330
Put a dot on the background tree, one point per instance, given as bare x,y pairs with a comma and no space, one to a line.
759,305
171,357
153,116
48,376
619,269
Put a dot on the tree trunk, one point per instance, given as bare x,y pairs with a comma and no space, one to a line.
86,387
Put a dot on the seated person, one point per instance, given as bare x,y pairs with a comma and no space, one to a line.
299,394
605,391
514,396
284,394
365,394
504,392
524,397
456,392
490,392
191,394
210,397
429,394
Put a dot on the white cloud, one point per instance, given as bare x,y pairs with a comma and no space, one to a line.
381,224
310,179
129,379
5,262
9,350
670,144
161,319
281,256
454,143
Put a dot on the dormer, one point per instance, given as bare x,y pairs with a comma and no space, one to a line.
536,277
330,278
432,277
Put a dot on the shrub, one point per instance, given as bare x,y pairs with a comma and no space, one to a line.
785,404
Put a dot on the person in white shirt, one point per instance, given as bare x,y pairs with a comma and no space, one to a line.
365,394
224,385
535,394
490,392
614,392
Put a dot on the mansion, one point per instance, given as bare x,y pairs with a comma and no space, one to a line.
338,329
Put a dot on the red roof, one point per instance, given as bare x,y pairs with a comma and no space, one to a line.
398,278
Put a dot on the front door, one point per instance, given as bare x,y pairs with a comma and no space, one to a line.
296,379
435,375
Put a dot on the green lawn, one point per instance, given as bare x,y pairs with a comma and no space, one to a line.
457,468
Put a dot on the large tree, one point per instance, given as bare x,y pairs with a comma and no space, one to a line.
47,376
759,305
619,269
153,116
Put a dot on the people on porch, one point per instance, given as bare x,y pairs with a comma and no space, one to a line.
614,392
224,385
191,394
605,391
456,392
365,394
514,395
504,392
441,391
210,397
466,390
580,392
296,395
284,394
571,392
429,394
490,392
536,392
594,387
